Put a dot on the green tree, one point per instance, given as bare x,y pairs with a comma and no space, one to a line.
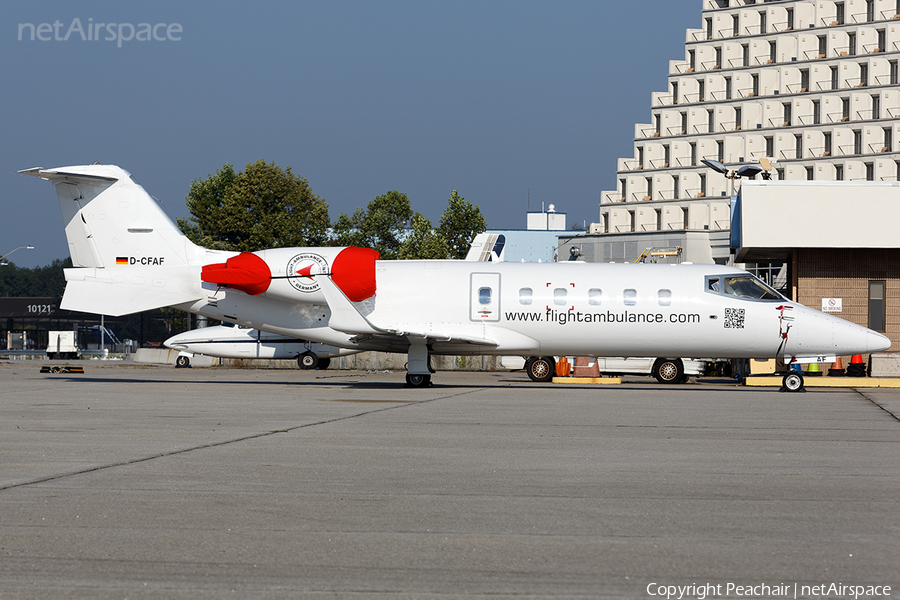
39,282
423,242
459,225
380,226
263,207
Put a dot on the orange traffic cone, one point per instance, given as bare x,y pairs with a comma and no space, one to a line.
837,368
857,367
563,368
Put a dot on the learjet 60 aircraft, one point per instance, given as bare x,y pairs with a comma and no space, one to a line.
130,257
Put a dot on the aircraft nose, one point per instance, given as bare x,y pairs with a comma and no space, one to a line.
877,342
174,343
819,333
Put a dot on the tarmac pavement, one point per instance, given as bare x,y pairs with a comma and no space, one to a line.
152,482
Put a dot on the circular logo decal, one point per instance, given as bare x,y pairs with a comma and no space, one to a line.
302,268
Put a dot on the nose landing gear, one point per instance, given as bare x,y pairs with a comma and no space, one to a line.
792,382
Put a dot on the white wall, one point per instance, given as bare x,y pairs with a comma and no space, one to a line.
809,214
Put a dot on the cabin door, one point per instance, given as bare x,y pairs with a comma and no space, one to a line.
484,298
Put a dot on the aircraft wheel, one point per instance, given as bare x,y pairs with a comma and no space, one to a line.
182,362
308,360
418,380
793,382
540,368
323,363
668,370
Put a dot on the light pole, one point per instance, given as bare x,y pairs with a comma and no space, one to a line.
745,171
29,247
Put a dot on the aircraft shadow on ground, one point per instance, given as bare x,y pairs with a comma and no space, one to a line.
359,382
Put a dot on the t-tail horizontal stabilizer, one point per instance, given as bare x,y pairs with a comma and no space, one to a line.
117,292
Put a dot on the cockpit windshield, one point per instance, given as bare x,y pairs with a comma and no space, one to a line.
742,286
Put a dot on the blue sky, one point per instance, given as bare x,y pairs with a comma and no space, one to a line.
498,99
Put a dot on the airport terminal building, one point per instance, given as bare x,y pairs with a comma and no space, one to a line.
838,239
811,85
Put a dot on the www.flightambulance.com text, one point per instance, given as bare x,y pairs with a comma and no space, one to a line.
562,317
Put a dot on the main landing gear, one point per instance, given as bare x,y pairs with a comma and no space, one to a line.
418,380
418,371
309,360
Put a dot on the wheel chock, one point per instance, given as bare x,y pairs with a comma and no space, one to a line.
61,369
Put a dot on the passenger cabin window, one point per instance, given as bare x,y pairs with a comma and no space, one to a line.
595,296
559,296
742,286
525,296
664,297
630,297
484,295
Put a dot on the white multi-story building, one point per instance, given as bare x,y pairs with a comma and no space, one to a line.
812,85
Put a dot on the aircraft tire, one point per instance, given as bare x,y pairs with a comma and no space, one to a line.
418,380
793,382
182,361
323,363
668,370
308,361
540,369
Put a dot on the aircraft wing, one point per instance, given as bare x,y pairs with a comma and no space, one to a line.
345,317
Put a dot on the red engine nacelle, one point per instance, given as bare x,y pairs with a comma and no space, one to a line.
352,270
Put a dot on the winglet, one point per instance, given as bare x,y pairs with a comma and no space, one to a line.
344,316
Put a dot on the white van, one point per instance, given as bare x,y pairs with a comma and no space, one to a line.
666,370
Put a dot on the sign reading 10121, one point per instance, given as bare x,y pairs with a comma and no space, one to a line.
17,308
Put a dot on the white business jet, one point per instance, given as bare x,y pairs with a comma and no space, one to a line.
130,257
234,341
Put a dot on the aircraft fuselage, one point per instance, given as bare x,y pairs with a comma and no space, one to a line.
555,309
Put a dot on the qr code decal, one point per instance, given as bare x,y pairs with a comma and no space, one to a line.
734,318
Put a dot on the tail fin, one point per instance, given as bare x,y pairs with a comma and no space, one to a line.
487,247
131,256
110,219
